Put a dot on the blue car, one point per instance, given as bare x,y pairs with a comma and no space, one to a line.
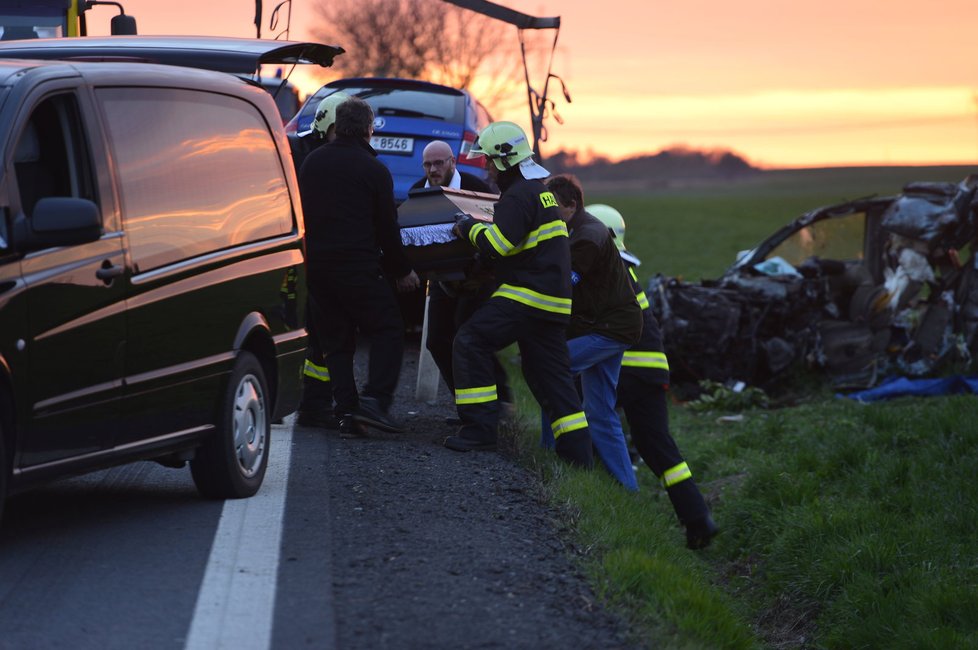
409,115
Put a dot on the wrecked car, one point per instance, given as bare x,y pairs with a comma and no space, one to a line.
857,291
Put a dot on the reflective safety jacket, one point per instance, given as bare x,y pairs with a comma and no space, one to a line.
527,247
646,359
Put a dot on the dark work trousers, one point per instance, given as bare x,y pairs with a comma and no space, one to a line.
352,302
647,414
542,342
446,313
317,391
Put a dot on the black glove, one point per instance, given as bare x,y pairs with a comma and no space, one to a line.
462,227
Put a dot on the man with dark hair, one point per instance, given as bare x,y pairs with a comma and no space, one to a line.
526,243
353,245
605,321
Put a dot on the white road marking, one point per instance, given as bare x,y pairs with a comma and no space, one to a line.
236,601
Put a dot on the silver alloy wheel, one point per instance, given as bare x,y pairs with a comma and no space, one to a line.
250,425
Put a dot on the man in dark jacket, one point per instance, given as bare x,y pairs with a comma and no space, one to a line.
440,170
642,395
605,321
526,243
352,245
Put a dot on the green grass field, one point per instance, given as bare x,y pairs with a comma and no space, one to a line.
844,525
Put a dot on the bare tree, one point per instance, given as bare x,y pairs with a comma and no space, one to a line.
425,39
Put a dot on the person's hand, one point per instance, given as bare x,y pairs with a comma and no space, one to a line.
457,229
409,282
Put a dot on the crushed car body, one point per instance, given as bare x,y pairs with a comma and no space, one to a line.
859,290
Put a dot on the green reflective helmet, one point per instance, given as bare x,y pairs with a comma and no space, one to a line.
505,143
326,113
611,218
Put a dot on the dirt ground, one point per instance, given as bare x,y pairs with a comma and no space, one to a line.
439,549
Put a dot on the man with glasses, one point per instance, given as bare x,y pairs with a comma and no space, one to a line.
451,303
439,169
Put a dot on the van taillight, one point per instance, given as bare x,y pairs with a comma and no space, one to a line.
468,139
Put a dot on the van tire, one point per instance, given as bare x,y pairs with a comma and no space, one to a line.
231,463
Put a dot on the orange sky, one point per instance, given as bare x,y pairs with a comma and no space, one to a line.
784,84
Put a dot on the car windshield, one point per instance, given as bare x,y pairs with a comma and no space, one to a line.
31,22
839,238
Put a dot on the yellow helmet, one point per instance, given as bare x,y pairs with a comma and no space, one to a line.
505,143
326,113
611,218
616,224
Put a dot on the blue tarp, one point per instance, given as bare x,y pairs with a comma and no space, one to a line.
904,387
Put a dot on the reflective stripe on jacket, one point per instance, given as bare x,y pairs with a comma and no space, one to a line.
647,358
527,247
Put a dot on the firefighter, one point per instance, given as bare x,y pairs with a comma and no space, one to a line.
642,387
321,131
450,302
316,405
527,246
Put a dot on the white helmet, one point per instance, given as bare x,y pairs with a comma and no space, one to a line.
506,145
326,113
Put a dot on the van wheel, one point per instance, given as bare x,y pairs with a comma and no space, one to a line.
231,463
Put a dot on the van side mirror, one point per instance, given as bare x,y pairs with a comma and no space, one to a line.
122,25
58,221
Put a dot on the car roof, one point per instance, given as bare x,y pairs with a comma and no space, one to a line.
126,72
10,69
391,82
220,53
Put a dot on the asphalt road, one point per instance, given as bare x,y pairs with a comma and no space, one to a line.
386,542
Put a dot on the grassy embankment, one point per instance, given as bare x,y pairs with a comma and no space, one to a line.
844,525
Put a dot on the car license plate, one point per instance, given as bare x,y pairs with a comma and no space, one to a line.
387,144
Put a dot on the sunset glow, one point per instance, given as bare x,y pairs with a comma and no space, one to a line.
782,84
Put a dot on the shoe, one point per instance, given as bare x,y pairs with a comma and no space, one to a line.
701,532
458,443
453,422
350,428
372,415
317,419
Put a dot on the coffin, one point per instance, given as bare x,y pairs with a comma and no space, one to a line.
426,220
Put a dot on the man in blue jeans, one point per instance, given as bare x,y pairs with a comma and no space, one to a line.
605,321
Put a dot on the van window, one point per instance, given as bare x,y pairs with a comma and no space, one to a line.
51,157
198,172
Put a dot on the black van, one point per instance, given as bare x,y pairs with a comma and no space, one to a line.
151,272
